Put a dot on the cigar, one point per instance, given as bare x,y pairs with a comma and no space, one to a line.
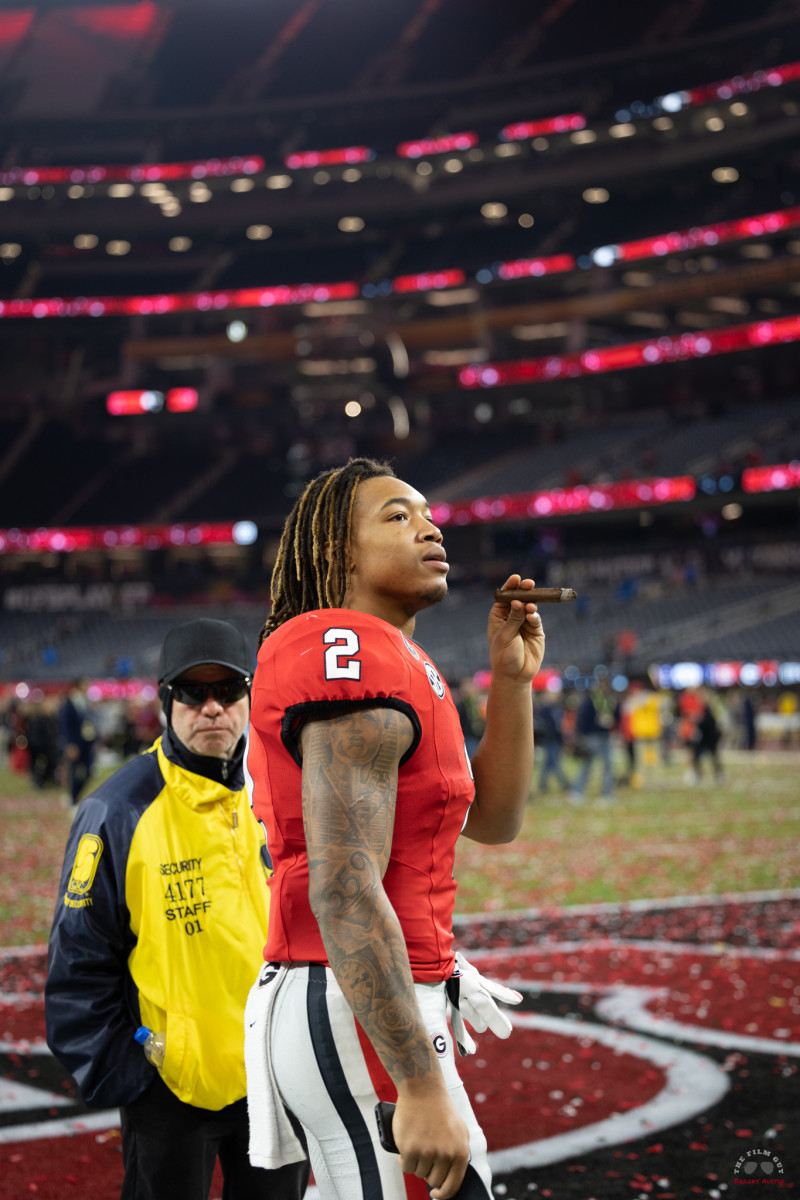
537,595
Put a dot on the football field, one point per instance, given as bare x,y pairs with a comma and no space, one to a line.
655,940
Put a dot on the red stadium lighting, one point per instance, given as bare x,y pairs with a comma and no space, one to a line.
123,22
523,268
699,237
633,354
115,306
134,403
181,400
599,497
771,479
14,25
329,158
428,281
440,145
726,89
529,129
110,537
744,84
206,168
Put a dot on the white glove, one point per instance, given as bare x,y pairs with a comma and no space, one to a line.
472,998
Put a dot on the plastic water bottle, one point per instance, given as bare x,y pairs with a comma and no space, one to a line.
153,1044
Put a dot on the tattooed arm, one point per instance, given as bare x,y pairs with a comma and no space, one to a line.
350,766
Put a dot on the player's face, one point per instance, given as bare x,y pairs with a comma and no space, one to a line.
211,728
396,558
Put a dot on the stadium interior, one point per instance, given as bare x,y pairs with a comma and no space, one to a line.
543,257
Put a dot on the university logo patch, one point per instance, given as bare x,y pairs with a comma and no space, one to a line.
84,868
435,680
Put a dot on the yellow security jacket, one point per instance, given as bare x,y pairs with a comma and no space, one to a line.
161,920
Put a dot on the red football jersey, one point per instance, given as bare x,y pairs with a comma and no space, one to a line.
321,664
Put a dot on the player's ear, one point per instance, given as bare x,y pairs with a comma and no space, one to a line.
330,548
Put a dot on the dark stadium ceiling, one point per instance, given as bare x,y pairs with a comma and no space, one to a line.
144,82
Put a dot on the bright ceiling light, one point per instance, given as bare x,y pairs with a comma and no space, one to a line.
180,244
725,175
352,408
118,247
118,191
714,124
259,233
10,250
277,182
236,331
351,224
525,220
582,137
624,130
604,256
597,195
85,241
494,210
242,185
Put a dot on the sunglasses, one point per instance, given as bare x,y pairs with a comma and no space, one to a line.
224,691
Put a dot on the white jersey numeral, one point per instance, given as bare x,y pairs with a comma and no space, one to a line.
340,660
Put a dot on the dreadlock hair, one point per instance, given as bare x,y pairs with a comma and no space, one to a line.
304,577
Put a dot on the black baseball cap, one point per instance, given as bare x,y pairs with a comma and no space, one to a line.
205,640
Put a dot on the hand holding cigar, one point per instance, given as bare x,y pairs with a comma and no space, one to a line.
553,595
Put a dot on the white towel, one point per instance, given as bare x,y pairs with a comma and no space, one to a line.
273,1141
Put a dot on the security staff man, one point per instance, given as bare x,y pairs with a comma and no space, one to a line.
161,916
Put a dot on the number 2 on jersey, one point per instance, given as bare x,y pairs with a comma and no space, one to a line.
340,661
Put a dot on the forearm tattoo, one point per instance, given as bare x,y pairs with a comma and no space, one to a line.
349,792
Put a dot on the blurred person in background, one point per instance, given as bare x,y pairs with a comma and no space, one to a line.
598,715
706,738
747,718
77,734
19,758
668,721
788,706
630,777
43,742
547,735
5,703
465,698
644,714
162,911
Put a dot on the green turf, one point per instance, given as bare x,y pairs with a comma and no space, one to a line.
665,839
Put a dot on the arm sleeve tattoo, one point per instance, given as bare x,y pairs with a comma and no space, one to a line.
350,766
